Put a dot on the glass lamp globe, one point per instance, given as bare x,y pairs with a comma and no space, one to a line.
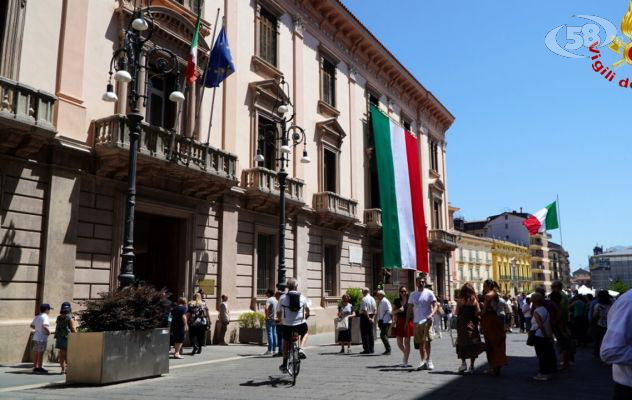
176,96
122,76
140,24
109,94
305,159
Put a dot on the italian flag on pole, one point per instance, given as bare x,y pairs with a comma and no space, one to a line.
545,219
403,222
192,72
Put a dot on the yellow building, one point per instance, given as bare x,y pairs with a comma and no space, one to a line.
511,266
473,259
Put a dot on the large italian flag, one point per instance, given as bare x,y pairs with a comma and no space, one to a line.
192,73
403,222
545,219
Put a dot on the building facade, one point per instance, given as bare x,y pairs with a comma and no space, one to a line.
206,216
511,266
609,266
560,265
581,277
473,261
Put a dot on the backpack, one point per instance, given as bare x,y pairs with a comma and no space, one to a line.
198,316
295,302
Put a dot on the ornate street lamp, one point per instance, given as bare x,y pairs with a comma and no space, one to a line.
289,136
128,62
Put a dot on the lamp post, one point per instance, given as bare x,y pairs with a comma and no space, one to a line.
129,61
286,135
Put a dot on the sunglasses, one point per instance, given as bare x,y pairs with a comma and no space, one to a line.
403,291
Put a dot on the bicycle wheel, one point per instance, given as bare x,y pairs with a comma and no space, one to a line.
296,365
291,360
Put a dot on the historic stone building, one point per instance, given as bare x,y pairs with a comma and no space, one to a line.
511,267
473,261
205,215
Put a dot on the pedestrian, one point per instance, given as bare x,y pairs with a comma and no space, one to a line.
492,322
437,317
345,312
199,323
526,312
224,320
367,312
271,315
580,320
294,309
559,323
542,333
468,340
522,297
64,325
384,319
507,304
41,325
616,347
600,316
179,326
279,328
447,314
404,329
423,303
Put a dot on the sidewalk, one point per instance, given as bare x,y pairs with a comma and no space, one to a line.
18,375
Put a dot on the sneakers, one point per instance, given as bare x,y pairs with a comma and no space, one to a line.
279,354
422,366
386,353
470,371
40,371
301,354
283,368
462,368
541,377
430,365
267,353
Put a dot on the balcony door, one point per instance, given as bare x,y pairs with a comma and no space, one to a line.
266,143
265,263
161,112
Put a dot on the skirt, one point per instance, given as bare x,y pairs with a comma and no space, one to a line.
344,336
403,330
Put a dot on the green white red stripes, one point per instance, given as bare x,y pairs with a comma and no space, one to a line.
403,224
192,73
545,219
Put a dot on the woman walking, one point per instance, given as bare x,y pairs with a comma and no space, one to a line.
64,325
179,326
542,339
600,316
403,331
493,329
199,322
345,310
468,341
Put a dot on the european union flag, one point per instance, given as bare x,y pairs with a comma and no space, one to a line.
221,64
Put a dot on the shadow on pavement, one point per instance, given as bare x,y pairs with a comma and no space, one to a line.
272,382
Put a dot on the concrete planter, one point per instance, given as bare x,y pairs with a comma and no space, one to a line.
99,358
253,335
356,337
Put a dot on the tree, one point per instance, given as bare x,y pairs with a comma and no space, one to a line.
619,286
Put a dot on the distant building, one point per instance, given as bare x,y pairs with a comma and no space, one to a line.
560,265
473,259
511,267
581,277
610,266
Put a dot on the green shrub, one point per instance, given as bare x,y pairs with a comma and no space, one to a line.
619,286
252,319
134,308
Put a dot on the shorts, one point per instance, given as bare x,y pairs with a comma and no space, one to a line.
300,329
61,343
38,347
422,332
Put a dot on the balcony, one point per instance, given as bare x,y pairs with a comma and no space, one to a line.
26,118
262,190
335,211
165,159
373,220
441,241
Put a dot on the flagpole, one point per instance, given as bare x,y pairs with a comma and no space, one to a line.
559,219
199,104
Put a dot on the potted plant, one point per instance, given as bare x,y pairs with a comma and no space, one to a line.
252,328
122,336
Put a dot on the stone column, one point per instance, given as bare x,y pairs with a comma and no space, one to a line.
301,239
297,41
228,226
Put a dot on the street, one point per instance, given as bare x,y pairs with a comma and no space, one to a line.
240,372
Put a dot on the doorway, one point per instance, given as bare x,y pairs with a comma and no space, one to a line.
158,244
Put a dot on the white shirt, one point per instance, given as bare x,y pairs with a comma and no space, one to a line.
526,310
384,311
521,302
422,305
616,348
39,322
546,322
271,306
368,305
292,318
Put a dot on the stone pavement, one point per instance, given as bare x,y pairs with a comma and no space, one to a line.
240,372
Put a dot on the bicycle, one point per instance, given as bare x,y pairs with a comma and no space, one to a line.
293,357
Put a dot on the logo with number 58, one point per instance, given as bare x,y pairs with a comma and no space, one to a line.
567,41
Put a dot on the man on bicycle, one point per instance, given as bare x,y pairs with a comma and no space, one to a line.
294,312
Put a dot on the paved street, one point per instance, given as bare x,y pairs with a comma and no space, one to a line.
238,372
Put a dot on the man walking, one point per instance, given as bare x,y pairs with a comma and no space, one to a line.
616,348
367,312
271,314
384,319
424,304
224,319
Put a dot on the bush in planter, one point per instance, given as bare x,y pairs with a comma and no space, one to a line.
355,298
252,320
134,308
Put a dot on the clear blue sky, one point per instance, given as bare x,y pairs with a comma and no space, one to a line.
530,124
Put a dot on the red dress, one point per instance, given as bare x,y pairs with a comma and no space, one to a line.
401,328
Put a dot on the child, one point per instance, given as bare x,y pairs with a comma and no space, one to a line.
64,325
41,325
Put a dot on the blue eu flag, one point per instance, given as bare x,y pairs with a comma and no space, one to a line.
220,65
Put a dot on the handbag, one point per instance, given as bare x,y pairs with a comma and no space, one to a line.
342,324
531,338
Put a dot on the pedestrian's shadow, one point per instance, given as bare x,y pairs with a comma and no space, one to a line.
398,366
272,382
335,353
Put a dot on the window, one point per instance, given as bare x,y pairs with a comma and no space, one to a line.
406,124
330,262
160,110
3,20
329,171
461,273
266,143
268,37
12,17
265,263
436,214
328,81
373,99
434,156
